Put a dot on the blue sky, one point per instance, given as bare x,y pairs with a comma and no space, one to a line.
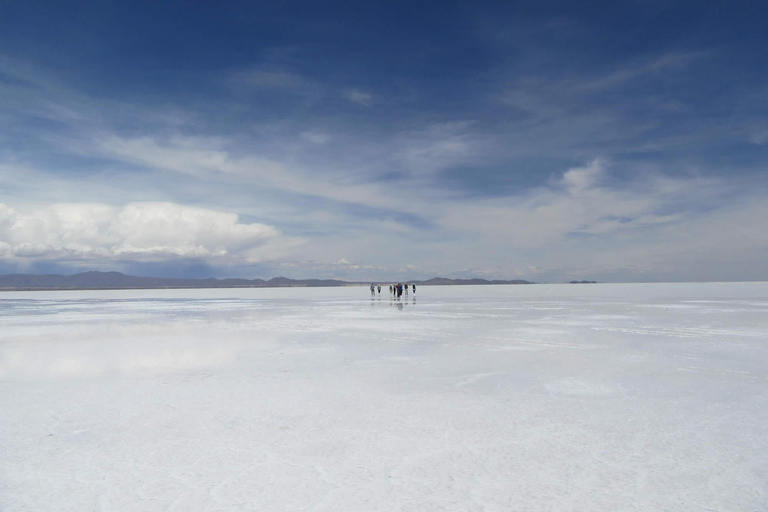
546,141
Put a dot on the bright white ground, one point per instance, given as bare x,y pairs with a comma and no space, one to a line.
501,398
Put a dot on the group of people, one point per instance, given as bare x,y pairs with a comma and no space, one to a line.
396,289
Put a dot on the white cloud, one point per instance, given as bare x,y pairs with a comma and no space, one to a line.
207,159
669,62
316,138
438,146
759,138
579,202
359,97
581,179
138,231
182,154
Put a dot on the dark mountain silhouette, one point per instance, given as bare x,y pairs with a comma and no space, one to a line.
115,280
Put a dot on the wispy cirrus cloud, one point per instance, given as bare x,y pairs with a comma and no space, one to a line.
206,158
441,145
674,62
583,201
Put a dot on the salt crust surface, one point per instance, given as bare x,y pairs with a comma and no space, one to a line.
494,398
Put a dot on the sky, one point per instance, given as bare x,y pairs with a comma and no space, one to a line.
547,141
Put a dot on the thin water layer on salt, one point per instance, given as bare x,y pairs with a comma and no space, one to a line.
546,397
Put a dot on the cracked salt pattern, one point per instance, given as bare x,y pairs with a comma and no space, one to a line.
549,397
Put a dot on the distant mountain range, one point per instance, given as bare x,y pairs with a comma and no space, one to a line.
445,281
116,280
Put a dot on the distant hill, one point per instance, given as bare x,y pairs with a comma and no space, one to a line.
445,281
583,282
116,281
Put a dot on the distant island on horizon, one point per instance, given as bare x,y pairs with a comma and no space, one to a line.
95,280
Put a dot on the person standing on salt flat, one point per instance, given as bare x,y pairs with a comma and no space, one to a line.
414,288
405,288
379,289
373,289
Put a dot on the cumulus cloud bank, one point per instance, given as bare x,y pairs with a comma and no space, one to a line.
140,231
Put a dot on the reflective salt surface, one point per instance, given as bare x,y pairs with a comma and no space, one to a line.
548,397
